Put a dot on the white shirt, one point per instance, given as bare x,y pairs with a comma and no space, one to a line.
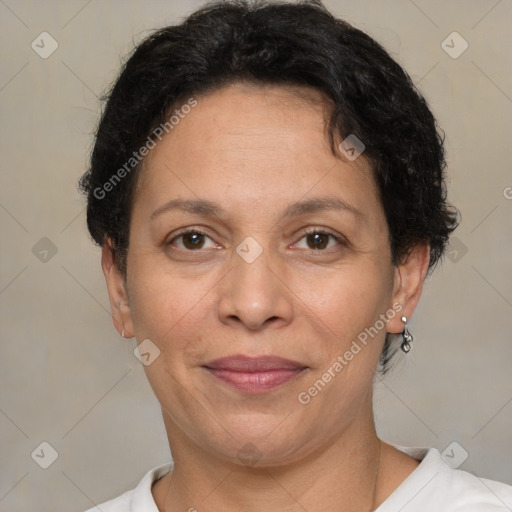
433,486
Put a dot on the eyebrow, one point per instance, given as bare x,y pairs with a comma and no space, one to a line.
207,208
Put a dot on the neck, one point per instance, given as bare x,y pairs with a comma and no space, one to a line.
345,470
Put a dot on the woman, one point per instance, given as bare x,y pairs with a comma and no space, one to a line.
267,186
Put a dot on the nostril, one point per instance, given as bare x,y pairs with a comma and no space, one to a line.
272,319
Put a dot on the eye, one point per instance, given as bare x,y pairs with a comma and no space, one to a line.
317,240
191,240
195,239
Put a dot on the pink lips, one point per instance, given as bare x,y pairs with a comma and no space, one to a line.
254,375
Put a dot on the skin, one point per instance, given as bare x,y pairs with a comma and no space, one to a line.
254,151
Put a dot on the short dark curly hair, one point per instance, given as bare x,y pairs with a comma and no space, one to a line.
277,43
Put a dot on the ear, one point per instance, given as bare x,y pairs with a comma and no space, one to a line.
119,306
408,285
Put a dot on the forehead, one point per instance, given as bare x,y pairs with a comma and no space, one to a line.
252,142
251,118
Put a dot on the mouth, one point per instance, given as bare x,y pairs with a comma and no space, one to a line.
254,374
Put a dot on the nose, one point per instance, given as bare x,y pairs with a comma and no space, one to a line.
255,295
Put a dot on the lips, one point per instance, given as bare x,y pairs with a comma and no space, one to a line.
253,364
254,374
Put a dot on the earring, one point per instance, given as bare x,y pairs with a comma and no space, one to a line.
122,334
407,337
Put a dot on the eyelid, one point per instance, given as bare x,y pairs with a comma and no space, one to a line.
321,230
187,230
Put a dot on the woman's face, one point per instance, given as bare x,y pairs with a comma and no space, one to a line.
253,282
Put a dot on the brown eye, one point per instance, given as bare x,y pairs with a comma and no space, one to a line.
318,240
192,240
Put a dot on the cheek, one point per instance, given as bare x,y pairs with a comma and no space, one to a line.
174,312
348,309
347,299
170,312
161,302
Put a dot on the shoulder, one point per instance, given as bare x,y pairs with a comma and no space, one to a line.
120,504
435,485
139,499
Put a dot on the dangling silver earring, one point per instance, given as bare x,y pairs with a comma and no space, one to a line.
122,334
407,337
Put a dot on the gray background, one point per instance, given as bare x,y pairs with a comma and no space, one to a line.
67,378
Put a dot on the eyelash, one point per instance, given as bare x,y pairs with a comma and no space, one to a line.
340,240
